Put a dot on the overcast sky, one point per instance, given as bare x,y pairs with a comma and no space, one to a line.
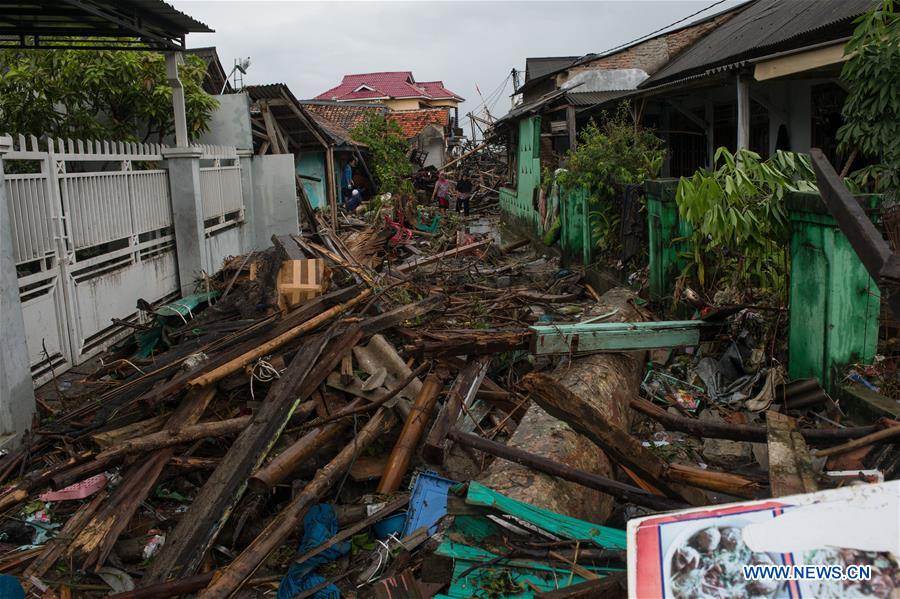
310,45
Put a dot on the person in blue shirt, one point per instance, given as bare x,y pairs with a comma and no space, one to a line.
347,180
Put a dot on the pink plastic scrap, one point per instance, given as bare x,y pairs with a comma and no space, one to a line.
79,490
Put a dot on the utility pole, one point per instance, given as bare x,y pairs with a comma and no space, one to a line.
515,80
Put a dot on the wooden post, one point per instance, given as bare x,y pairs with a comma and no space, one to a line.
331,187
710,114
743,112
570,126
412,431
790,465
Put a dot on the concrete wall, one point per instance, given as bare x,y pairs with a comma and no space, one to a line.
230,123
16,391
274,198
312,164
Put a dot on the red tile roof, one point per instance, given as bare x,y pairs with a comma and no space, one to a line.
413,122
344,115
396,84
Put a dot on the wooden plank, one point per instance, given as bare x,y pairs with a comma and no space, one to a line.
614,336
790,465
620,445
462,392
620,491
614,586
286,521
212,506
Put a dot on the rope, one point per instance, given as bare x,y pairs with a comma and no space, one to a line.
263,372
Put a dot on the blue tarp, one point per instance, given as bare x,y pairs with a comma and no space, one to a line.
319,525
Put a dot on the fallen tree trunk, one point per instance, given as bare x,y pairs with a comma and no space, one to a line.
606,381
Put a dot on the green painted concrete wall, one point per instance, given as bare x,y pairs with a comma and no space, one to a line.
518,204
312,164
834,303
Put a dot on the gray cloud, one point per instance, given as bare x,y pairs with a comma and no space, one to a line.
310,45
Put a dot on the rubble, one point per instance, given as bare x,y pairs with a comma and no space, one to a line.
379,410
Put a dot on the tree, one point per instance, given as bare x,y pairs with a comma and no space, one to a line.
609,156
389,149
872,109
89,94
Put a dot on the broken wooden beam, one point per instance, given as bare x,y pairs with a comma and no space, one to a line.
741,432
212,506
286,521
472,343
617,443
280,468
268,347
408,441
620,491
461,393
410,266
168,438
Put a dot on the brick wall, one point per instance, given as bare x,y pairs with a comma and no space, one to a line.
654,53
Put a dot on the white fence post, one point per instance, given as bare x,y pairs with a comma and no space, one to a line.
16,388
187,212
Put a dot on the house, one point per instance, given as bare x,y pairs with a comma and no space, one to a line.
562,94
397,90
428,132
216,80
282,125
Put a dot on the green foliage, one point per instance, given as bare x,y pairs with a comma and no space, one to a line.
872,109
739,219
391,166
609,156
91,94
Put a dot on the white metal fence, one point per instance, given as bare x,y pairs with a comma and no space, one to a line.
223,204
93,232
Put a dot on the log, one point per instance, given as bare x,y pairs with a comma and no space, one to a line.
475,343
216,428
620,491
287,520
606,380
741,432
617,443
280,468
408,441
212,506
268,347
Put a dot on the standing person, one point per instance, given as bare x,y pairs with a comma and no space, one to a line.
347,180
463,193
442,192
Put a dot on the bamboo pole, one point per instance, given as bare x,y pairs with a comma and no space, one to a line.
722,482
176,437
286,522
409,438
268,347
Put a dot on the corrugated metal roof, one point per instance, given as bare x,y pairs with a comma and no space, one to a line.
763,27
596,98
544,65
